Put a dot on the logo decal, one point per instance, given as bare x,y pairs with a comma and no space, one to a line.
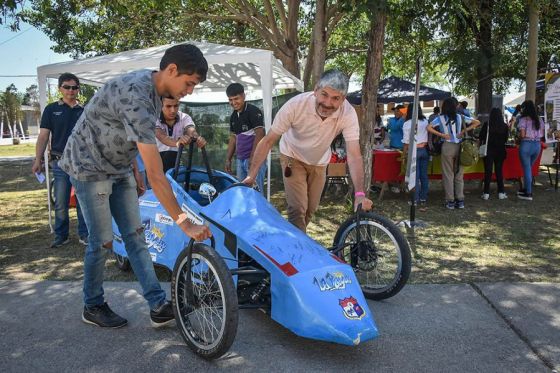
154,239
351,308
147,203
334,281
191,215
164,219
117,237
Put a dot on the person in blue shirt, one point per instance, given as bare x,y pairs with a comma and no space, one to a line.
395,127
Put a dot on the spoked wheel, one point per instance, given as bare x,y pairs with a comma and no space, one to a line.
122,262
51,191
377,251
206,308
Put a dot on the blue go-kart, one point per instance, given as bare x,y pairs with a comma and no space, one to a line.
258,260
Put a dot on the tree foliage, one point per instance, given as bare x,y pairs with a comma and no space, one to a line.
10,105
10,13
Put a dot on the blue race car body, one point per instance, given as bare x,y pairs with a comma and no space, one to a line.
311,291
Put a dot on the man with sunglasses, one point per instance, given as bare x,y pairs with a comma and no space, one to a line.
306,126
118,123
58,121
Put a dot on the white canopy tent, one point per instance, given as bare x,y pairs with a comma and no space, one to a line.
254,68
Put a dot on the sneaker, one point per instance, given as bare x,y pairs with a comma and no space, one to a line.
395,189
450,205
423,201
102,316
83,240
486,196
162,315
521,191
525,196
59,241
502,196
459,204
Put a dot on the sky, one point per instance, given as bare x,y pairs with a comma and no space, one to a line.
27,49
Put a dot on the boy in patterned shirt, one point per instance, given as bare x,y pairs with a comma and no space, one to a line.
100,157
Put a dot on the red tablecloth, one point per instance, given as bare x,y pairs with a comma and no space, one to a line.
386,167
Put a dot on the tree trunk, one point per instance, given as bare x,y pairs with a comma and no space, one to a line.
291,61
308,67
485,70
531,81
319,41
374,61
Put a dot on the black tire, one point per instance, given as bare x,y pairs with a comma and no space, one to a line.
217,291
122,262
51,192
382,260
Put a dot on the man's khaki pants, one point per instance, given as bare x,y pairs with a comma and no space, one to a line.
452,171
303,190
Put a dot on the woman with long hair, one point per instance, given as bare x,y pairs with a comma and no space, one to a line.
422,156
531,131
450,127
496,131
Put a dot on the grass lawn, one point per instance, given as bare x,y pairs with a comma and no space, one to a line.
17,150
495,240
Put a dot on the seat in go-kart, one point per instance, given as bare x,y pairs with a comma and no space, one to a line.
220,180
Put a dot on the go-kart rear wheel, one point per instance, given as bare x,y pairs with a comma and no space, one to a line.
381,259
122,262
209,325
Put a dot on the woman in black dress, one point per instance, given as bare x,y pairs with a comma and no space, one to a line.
496,151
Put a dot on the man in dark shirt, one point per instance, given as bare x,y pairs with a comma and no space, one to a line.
58,120
247,129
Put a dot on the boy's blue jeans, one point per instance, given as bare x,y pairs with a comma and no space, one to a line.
118,199
243,170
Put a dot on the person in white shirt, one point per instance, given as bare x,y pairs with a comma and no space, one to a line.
449,126
174,128
422,156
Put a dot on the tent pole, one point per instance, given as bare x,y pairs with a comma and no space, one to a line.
266,84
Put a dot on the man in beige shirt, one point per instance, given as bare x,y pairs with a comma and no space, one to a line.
306,126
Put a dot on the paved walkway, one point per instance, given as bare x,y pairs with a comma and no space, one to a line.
496,327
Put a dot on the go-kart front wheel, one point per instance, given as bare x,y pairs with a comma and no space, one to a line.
377,251
208,323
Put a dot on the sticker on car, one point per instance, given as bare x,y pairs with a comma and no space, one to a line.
332,281
164,219
191,215
352,310
147,203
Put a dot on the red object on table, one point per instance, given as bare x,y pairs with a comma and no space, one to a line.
387,167
73,199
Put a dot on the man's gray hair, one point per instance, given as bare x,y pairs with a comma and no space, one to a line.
334,79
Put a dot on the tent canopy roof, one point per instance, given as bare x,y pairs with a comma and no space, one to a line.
397,90
227,64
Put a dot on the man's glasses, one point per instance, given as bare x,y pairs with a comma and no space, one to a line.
72,87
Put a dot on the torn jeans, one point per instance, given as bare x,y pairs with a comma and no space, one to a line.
101,201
